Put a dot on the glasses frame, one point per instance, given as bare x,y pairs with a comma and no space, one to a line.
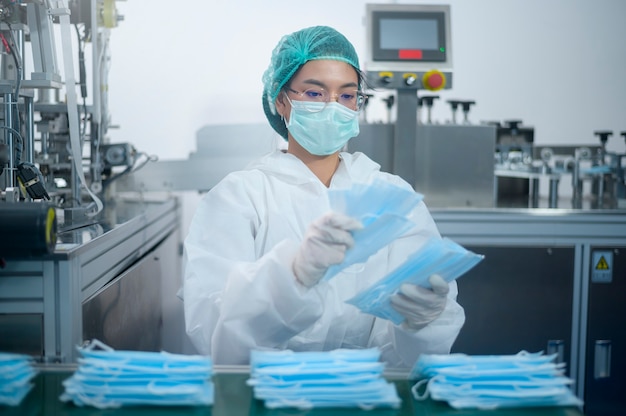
360,95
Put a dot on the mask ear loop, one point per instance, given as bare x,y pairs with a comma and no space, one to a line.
415,389
96,343
282,116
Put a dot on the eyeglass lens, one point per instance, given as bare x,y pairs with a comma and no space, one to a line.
352,99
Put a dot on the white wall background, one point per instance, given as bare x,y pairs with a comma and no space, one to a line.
558,65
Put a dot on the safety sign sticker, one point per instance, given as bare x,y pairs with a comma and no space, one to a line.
602,267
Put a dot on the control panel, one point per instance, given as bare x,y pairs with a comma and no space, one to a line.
433,80
409,46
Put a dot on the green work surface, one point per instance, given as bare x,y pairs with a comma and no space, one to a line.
234,398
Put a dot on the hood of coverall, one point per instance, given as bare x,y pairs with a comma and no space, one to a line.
291,169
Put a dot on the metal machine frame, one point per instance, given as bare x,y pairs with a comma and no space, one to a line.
407,74
584,232
53,289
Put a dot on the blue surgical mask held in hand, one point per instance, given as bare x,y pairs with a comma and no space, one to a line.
107,378
368,201
304,380
488,382
441,257
321,128
382,208
16,373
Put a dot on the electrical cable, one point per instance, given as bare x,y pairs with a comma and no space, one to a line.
18,151
81,79
133,168
11,49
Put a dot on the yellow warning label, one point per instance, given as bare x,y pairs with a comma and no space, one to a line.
602,264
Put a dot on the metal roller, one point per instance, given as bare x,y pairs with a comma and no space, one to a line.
27,229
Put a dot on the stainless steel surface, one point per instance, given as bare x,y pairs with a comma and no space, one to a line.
127,312
55,287
532,226
452,164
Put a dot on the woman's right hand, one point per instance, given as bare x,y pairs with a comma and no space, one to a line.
325,243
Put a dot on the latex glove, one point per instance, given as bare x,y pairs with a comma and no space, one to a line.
421,306
325,243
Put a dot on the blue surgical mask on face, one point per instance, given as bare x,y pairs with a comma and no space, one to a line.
322,128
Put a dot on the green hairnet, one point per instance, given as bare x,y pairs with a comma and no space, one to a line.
293,51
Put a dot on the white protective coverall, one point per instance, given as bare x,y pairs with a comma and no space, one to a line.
240,292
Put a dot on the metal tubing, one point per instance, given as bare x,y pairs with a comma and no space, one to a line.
405,135
30,129
554,192
8,122
600,195
535,192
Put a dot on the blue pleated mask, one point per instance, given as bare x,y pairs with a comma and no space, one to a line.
338,378
106,378
16,373
493,381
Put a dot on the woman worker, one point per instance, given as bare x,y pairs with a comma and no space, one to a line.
262,238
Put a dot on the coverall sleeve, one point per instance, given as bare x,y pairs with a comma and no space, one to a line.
233,301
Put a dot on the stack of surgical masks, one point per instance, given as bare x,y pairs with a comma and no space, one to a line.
16,373
438,256
304,380
108,379
493,381
382,208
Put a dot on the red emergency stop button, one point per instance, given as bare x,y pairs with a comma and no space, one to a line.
434,80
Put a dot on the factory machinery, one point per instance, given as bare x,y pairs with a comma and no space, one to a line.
554,274
75,263
506,168
550,220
